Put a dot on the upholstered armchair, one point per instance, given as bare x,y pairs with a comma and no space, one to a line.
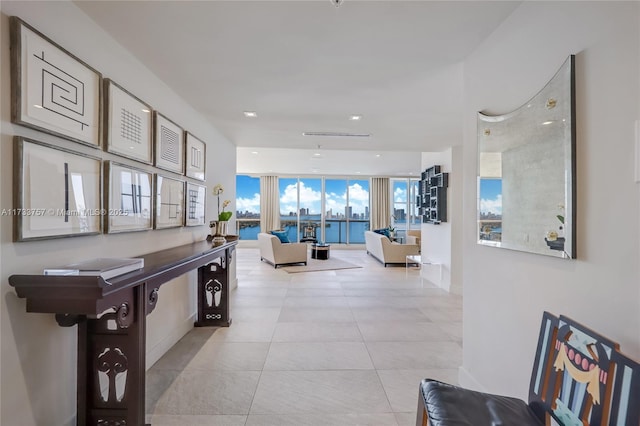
387,252
413,236
273,251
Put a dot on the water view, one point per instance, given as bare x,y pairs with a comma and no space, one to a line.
335,229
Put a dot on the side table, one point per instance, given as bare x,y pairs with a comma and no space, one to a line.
416,259
320,251
413,259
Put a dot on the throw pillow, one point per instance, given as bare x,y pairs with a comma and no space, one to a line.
383,231
282,236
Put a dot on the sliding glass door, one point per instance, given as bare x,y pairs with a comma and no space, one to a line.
358,202
335,223
289,207
405,210
331,210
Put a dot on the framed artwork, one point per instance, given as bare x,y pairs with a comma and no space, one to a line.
169,202
195,204
56,192
128,129
169,144
196,157
127,197
52,90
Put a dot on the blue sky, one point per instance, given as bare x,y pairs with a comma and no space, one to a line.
491,196
247,194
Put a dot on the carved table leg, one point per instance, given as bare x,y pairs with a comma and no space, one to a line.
213,292
111,365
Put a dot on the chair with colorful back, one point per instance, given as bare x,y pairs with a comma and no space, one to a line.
581,378
625,401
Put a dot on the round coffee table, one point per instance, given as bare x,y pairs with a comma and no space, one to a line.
320,251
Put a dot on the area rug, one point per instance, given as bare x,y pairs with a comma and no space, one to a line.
314,265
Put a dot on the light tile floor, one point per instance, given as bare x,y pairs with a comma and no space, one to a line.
346,347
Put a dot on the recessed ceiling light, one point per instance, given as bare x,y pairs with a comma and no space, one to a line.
38,106
250,114
316,154
355,117
377,155
547,122
145,110
254,152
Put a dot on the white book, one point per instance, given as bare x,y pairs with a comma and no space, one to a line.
105,267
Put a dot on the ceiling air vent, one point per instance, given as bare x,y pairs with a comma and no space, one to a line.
338,134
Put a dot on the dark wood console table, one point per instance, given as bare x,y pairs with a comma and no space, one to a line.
112,325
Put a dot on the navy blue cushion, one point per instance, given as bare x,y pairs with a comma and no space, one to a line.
383,231
282,236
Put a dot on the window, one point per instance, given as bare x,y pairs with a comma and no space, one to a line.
310,202
289,207
405,208
346,210
332,210
335,211
490,220
358,205
247,207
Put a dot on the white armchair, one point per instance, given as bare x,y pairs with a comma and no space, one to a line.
277,253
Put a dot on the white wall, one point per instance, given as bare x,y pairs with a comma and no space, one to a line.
38,358
505,292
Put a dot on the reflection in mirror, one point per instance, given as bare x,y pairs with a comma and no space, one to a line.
526,172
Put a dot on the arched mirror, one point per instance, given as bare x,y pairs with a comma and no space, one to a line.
526,172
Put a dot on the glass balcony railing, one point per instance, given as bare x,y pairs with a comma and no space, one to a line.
248,229
337,231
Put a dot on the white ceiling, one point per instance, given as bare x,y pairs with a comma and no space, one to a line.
306,66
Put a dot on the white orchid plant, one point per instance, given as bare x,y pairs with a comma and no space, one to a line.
223,215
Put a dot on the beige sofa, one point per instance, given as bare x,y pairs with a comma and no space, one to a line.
277,253
380,247
413,237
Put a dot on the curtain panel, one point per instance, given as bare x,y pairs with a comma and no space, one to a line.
380,203
269,203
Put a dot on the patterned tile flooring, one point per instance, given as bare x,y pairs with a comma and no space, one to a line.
345,347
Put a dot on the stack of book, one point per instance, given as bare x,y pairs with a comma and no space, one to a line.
105,267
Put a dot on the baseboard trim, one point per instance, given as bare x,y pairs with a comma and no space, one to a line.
156,352
466,380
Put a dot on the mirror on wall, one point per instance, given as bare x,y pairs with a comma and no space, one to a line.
526,172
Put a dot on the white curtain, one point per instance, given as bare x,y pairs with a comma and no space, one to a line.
380,203
269,203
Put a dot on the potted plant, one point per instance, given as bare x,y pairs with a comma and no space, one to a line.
219,227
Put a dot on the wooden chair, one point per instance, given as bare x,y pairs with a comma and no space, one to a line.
625,401
579,378
440,404
579,390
